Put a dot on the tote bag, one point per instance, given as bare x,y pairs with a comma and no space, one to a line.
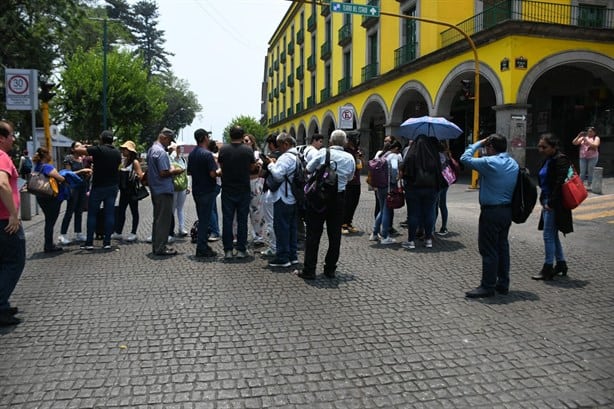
42,186
573,191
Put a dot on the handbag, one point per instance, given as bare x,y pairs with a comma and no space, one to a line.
448,174
573,191
395,198
140,191
42,186
180,181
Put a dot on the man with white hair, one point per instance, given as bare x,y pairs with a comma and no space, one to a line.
333,216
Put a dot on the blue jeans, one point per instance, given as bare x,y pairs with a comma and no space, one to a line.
421,203
587,167
105,195
552,244
204,205
284,224
493,229
12,262
51,210
235,204
383,221
442,206
74,205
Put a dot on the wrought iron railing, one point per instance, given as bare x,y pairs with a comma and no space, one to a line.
344,84
369,71
533,11
405,54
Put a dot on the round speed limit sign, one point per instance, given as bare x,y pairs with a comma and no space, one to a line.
18,84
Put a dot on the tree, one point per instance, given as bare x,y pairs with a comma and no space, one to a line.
249,125
133,101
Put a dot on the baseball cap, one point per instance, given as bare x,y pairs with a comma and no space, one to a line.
168,132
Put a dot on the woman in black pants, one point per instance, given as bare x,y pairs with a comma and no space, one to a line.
129,172
49,205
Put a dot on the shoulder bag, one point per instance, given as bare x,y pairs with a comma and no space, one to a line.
42,186
395,198
573,191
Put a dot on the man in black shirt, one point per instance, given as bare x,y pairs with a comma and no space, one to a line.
236,162
105,185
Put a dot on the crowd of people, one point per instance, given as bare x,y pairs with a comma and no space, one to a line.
258,186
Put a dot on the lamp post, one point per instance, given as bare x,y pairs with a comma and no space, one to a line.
105,41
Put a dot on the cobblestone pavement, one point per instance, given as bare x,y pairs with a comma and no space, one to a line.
128,329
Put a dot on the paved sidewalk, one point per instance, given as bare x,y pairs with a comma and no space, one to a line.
128,329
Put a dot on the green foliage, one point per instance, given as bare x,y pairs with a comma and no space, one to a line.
132,100
249,125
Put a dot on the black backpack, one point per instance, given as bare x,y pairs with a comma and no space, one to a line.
299,179
524,197
321,188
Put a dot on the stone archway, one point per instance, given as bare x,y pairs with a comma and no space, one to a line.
301,134
412,100
372,124
314,127
328,125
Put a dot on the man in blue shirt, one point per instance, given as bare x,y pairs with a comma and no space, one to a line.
498,174
345,166
160,179
203,169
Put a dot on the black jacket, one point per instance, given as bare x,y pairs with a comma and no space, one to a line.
555,177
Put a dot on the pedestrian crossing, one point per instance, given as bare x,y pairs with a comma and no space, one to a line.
598,208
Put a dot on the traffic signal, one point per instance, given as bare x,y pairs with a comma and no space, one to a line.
467,91
45,93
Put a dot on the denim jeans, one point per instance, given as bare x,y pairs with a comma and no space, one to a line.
587,167
74,206
51,210
12,262
442,206
383,219
552,243
105,195
204,204
284,223
421,203
235,204
214,222
126,199
493,229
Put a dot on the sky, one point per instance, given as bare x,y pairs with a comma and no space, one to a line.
220,47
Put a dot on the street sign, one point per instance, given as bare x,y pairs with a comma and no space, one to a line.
21,89
346,117
349,8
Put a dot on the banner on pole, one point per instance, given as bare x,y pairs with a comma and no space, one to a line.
21,89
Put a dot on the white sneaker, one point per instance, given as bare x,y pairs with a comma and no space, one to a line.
116,236
428,243
408,245
64,240
148,239
171,239
374,237
131,237
387,240
80,237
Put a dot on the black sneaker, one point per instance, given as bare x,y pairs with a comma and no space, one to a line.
279,263
442,232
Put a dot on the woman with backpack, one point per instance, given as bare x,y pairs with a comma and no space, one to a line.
383,221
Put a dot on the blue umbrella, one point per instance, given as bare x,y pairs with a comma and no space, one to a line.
438,127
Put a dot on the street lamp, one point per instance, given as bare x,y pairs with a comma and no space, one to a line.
104,65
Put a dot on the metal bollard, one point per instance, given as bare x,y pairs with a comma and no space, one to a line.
26,206
597,180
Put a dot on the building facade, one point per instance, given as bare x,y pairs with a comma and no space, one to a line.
544,67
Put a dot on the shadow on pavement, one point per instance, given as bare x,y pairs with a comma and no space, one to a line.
564,282
512,297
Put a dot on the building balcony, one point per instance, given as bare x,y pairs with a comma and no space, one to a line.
369,72
325,9
282,57
344,84
532,11
290,112
405,54
299,107
276,65
282,86
311,101
291,80
270,71
311,62
270,97
325,51
300,73
324,94
282,116
300,36
311,23
291,48
345,34
370,21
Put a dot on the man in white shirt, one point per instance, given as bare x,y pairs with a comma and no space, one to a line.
310,152
284,207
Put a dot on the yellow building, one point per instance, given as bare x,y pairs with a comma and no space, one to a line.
544,67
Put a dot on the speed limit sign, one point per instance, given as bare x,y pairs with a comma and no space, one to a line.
21,89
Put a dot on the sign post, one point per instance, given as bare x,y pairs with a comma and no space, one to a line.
346,117
21,89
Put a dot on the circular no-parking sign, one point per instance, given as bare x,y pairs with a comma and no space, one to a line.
18,84
347,114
